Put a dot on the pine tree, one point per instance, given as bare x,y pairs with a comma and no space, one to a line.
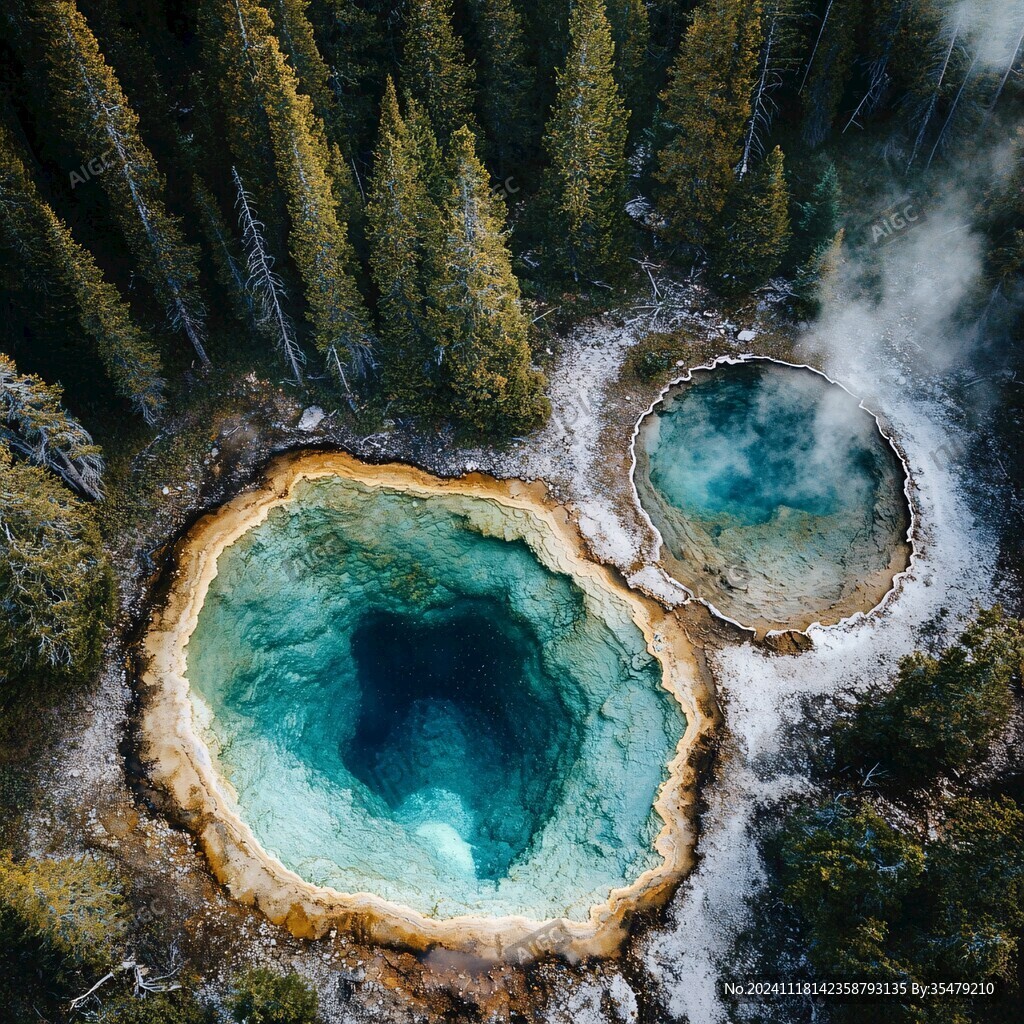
819,217
295,35
264,284
424,145
780,38
317,240
298,43
476,319
631,33
403,227
355,48
585,184
706,107
44,240
229,33
755,240
434,67
506,82
72,905
815,278
97,114
34,424
55,585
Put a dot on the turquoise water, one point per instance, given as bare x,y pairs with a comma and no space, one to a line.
407,702
749,441
774,492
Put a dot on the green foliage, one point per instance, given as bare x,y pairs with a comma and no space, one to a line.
829,66
435,69
476,320
933,897
653,356
236,93
97,114
706,107
173,1008
585,184
869,900
944,712
506,82
298,43
847,875
38,236
71,906
820,217
354,45
754,241
815,252
975,883
815,279
318,242
403,232
631,33
35,425
262,997
55,586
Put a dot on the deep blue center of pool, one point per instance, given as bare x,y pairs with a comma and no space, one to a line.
446,699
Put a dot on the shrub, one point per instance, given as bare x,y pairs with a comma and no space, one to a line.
654,355
170,1008
943,713
263,997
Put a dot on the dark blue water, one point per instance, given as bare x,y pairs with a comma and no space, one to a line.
446,701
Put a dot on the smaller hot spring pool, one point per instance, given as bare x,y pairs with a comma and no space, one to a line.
777,498
407,701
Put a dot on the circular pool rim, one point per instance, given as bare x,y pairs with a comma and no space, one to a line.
180,763
813,618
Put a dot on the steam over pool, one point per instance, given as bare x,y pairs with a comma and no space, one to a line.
406,701
776,496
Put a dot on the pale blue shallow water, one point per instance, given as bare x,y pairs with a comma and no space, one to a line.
408,703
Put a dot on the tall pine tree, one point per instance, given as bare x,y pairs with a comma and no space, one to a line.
434,66
317,240
295,34
631,33
55,584
98,116
45,243
477,322
403,229
706,107
504,100
355,47
756,235
585,183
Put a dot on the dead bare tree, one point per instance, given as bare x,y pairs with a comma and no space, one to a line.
933,101
263,283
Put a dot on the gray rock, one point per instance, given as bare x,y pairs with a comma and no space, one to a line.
311,418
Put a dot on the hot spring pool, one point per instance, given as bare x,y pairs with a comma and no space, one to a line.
777,498
422,697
